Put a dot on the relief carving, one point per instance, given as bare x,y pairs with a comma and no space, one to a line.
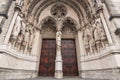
94,37
86,39
102,33
22,36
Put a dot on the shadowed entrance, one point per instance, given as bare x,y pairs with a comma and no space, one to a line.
48,54
47,62
70,67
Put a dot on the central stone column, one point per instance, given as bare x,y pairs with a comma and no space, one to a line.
58,61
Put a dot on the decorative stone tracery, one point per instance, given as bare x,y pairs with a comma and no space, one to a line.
69,26
48,25
59,11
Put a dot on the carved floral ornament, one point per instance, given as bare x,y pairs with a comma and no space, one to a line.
58,11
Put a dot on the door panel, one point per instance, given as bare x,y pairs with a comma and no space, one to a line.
70,67
47,61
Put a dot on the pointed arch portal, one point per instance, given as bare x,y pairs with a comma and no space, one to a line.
58,49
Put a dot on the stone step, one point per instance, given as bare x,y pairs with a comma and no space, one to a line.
65,78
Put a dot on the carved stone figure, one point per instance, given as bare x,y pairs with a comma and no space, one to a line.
97,37
20,37
58,38
86,39
32,35
16,30
91,40
102,34
25,42
89,12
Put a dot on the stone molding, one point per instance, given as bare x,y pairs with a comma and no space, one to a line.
114,16
105,52
9,50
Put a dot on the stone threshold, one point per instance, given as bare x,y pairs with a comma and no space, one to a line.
65,78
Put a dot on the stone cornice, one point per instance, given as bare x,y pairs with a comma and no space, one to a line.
112,16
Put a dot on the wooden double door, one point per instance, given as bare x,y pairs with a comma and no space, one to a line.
48,55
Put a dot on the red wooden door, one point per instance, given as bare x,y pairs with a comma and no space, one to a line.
70,67
47,61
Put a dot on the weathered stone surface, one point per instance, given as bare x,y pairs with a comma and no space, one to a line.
91,23
65,78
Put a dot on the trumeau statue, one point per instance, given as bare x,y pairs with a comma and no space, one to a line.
58,38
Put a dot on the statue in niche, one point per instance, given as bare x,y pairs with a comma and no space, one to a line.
89,12
16,30
86,39
26,38
102,33
20,37
32,35
97,37
58,38
91,40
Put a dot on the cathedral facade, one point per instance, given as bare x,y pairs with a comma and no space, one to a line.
58,38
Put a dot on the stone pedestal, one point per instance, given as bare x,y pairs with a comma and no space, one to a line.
58,64
58,74
58,68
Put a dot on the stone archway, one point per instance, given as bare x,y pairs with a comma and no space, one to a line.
50,30
48,47
69,50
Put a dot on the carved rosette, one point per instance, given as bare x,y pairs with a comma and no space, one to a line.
59,11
